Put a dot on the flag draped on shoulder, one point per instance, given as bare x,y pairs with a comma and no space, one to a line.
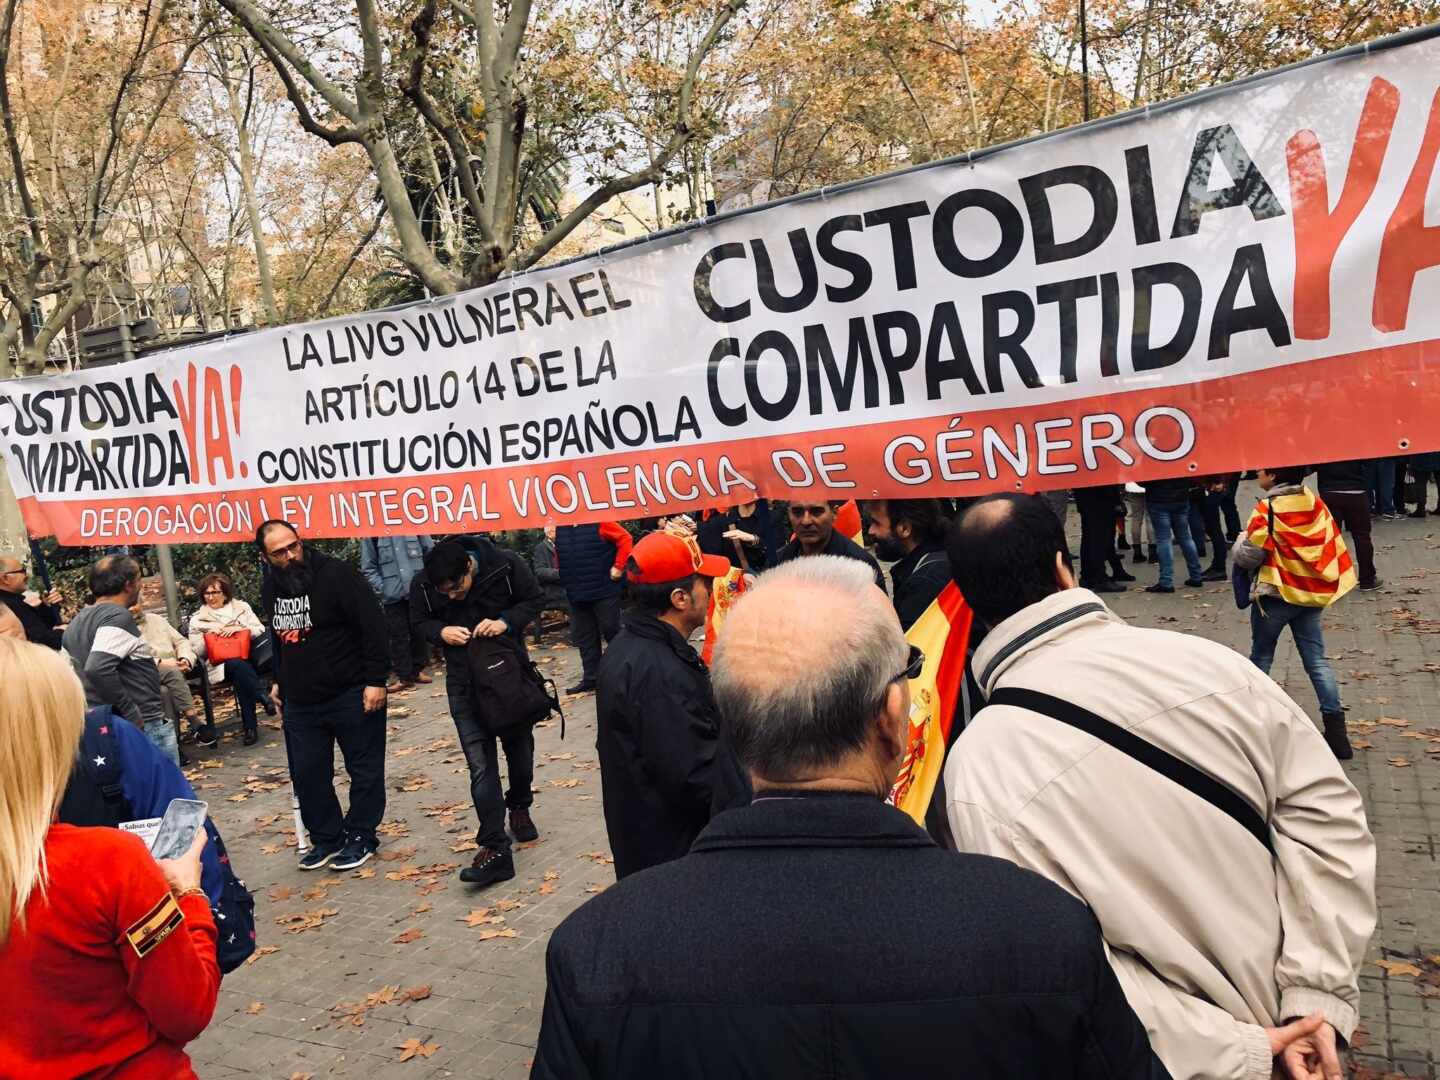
1309,564
942,634
723,594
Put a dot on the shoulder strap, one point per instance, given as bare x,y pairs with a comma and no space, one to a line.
103,751
1202,785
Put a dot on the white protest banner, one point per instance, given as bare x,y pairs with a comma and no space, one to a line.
1242,278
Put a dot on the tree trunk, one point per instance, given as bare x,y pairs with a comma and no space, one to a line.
247,187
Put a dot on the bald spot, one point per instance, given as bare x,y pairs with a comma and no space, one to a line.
982,517
786,631
9,563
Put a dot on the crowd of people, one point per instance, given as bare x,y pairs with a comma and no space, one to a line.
745,789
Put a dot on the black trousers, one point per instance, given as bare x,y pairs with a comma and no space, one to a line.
311,732
589,621
408,650
1097,534
1352,512
481,756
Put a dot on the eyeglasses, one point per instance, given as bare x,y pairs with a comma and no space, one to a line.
213,592
913,666
292,548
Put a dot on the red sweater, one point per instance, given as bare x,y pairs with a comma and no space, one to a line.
618,535
109,976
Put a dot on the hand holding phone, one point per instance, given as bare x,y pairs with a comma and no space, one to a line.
183,819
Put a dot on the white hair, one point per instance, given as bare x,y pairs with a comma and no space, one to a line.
822,706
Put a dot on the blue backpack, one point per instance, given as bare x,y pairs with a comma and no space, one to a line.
96,797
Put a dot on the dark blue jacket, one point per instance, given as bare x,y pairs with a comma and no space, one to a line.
827,936
148,781
585,561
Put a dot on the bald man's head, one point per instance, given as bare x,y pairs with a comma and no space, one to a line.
1004,555
12,574
804,665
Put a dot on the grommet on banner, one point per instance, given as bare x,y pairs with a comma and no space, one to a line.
1404,444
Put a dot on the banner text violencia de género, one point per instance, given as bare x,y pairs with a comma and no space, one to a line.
1242,279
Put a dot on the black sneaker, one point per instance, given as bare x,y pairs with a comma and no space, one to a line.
251,737
583,687
1118,574
319,856
1105,587
488,867
1194,583
1372,586
1216,573
1161,588
522,826
355,853
206,736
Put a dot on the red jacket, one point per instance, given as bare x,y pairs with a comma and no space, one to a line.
108,976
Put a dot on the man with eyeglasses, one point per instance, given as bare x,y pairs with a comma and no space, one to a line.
41,619
664,768
332,661
818,930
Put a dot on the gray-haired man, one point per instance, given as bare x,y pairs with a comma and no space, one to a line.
820,929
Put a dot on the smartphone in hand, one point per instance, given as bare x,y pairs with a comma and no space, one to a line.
183,819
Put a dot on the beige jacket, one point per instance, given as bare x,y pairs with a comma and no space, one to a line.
237,614
164,640
1211,938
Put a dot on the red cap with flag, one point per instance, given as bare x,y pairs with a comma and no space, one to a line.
661,557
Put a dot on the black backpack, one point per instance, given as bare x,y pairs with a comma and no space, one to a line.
95,797
508,691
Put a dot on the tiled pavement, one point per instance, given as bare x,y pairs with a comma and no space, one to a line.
331,1000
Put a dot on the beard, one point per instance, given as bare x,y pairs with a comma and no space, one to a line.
296,578
890,549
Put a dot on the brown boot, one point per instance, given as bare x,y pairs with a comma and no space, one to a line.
522,826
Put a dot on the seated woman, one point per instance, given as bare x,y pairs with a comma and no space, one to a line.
223,614
107,958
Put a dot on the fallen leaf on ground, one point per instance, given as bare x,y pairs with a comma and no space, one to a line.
600,857
571,783
281,892
1396,967
465,845
422,908
397,854
1390,721
300,921
365,872
547,888
270,849
1399,762
255,1008
478,916
1361,744
551,875
238,798
413,934
415,1048
414,993
263,950
597,888
318,892
488,935
302,1076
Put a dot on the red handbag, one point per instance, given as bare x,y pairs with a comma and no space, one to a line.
219,647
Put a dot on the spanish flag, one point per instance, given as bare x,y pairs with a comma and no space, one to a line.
1309,563
723,594
942,634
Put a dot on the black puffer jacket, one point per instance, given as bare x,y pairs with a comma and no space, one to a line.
504,588
827,936
664,767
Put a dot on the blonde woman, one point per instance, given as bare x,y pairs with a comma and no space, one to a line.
107,958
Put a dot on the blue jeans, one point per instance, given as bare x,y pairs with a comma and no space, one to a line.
1380,479
162,734
1269,616
1172,520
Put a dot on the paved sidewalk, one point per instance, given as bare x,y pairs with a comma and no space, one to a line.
364,969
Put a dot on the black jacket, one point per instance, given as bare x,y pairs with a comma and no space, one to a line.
919,579
838,545
330,639
546,565
504,588
39,622
664,767
827,936
1341,476
1174,490
759,555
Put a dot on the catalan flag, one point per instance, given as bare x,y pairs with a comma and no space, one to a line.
942,634
1309,564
